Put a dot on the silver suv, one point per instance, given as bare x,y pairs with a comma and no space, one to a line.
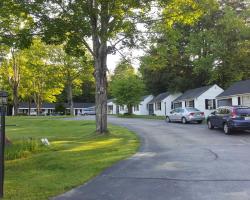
185,115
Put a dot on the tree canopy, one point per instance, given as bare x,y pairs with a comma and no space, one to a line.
126,87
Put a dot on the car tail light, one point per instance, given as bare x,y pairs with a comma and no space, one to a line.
191,114
234,114
202,113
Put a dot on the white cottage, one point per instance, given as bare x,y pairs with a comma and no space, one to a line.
142,107
237,94
30,109
49,108
161,104
112,108
203,98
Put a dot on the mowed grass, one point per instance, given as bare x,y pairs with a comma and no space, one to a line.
76,155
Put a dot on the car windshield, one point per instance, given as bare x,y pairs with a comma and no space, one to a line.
243,111
192,109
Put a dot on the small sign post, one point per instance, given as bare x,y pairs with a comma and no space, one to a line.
3,103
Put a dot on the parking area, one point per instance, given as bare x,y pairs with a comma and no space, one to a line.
175,161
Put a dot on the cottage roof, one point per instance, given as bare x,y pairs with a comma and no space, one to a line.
144,97
160,97
193,93
240,87
53,105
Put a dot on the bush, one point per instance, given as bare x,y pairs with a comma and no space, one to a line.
22,114
22,149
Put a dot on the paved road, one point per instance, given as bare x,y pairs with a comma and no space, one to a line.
175,162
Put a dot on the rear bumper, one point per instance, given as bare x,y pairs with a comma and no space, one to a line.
240,125
191,119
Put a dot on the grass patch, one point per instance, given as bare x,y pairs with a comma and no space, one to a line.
143,116
23,148
76,155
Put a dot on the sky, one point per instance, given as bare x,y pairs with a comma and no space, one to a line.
113,60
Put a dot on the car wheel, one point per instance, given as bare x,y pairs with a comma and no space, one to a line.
209,125
226,129
168,119
184,120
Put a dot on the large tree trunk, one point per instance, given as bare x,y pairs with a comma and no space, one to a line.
38,103
101,88
70,97
130,109
29,106
14,81
15,99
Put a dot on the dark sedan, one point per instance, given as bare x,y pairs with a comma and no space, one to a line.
230,118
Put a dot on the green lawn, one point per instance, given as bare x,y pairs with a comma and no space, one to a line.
76,155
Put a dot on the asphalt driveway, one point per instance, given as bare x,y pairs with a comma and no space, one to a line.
175,162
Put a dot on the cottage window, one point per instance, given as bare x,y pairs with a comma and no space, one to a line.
191,103
158,106
210,104
121,108
177,105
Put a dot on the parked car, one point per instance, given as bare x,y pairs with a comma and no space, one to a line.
230,118
185,115
89,111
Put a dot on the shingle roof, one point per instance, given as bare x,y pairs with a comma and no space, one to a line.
240,87
159,97
82,105
33,105
193,93
144,97
53,105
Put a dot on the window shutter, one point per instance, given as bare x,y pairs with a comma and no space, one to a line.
172,105
206,104
214,104
185,104
239,102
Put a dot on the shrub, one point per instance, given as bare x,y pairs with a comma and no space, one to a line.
22,114
22,149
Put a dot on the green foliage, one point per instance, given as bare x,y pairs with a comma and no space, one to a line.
212,49
126,87
59,108
16,25
123,68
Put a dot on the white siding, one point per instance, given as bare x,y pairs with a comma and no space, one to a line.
143,106
166,105
235,101
124,110
113,111
246,100
211,93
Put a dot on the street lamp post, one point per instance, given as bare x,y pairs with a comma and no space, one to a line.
3,103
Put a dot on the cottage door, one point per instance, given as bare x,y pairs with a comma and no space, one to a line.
151,109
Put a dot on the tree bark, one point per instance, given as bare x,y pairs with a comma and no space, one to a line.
14,81
15,99
70,97
130,109
101,89
29,106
